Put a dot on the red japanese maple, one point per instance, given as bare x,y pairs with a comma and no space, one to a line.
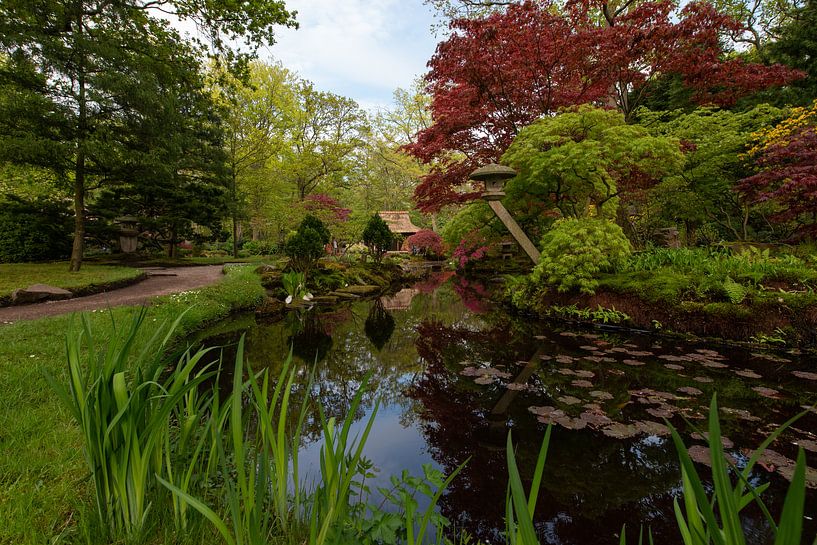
788,176
495,75
425,242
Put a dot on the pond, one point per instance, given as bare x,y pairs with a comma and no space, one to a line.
453,375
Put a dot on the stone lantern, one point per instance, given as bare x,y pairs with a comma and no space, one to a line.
128,234
494,177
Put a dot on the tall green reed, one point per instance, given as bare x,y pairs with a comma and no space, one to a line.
117,396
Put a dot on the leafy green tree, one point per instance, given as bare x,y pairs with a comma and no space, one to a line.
312,222
796,46
584,160
324,131
576,250
378,237
80,74
33,230
715,143
257,115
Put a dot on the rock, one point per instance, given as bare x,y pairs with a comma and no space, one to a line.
264,269
270,307
39,292
343,295
325,299
360,290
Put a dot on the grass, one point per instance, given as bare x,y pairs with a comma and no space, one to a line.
43,484
21,275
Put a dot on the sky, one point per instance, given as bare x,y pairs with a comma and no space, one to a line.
361,49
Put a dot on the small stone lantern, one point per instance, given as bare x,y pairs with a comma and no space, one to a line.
494,176
128,234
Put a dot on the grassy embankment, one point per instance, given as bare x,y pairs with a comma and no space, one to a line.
42,471
90,279
749,296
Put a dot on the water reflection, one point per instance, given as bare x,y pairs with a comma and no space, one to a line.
454,375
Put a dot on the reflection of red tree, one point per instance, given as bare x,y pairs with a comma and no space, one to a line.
330,320
474,295
433,281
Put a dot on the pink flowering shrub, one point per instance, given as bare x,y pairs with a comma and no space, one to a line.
425,242
470,249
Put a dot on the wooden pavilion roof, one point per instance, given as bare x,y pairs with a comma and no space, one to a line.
398,221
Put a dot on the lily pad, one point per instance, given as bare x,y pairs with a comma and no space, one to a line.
714,364
807,444
690,390
570,423
589,348
595,419
742,414
747,373
704,380
674,366
805,375
633,363
725,441
547,410
584,373
484,379
580,383
770,357
569,400
601,396
563,359
516,386
767,392
565,371
618,430
652,428
661,412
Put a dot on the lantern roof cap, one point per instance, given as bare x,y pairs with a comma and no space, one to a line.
491,172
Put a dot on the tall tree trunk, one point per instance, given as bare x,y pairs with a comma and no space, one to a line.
235,216
78,247
79,212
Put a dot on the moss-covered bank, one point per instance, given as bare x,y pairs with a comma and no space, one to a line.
43,479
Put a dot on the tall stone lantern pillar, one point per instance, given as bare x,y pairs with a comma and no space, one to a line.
494,177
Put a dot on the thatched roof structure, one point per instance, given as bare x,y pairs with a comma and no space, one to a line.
399,221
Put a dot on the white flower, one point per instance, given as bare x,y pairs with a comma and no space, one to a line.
308,297
288,300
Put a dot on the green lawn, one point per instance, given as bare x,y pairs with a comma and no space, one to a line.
44,490
21,275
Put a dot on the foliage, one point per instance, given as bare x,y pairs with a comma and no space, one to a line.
87,85
697,519
472,248
583,159
599,315
703,193
425,242
558,56
124,421
787,161
520,507
472,218
307,244
33,230
260,247
576,251
294,285
377,237
312,222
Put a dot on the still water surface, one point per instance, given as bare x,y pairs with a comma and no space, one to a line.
454,375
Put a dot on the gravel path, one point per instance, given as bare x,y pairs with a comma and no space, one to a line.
161,282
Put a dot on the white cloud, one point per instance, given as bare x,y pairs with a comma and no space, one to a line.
357,48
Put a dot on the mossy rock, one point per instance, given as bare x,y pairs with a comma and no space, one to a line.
271,280
360,290
325,299
728,310
270,307
344,295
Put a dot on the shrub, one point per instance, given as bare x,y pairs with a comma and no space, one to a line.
470,249
575,251
305,246
378,237
33,230
260,247
425,242
318,226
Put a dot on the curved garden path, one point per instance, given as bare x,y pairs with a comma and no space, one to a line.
160,282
